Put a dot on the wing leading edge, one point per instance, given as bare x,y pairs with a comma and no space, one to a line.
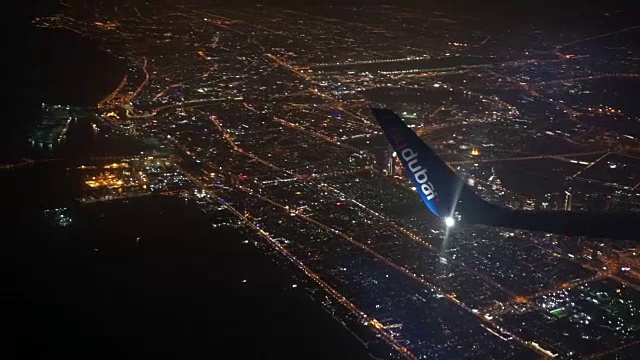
446,195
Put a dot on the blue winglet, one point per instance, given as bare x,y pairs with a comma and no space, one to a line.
433,179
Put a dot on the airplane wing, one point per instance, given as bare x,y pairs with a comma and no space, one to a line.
447,196
436,183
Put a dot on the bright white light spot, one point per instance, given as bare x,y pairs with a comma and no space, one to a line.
449,221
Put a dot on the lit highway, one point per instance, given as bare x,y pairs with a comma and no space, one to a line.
359,244
265,120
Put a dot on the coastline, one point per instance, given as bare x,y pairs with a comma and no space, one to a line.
73,251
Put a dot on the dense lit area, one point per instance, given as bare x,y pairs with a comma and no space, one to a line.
131,177
260,119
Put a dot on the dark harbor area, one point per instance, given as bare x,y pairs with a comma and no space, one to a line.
187,179
134,278
151,278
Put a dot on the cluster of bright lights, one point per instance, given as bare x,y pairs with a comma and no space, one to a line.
449,221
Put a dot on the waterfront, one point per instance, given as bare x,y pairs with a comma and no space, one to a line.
149,277
176,293
295,157
75,72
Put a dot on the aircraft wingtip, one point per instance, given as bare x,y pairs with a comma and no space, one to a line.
381,111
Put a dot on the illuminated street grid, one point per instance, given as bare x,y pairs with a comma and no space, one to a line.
267,112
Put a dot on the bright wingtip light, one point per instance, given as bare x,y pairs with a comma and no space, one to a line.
449,221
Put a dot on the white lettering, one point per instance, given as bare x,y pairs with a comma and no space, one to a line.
419,174
427,189
408,154
413,165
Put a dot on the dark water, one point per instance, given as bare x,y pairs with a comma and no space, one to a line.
80,143
177,293
56,67
62,67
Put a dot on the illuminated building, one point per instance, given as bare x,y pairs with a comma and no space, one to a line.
567,201
390,162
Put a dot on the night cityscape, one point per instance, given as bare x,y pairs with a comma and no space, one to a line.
257,120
